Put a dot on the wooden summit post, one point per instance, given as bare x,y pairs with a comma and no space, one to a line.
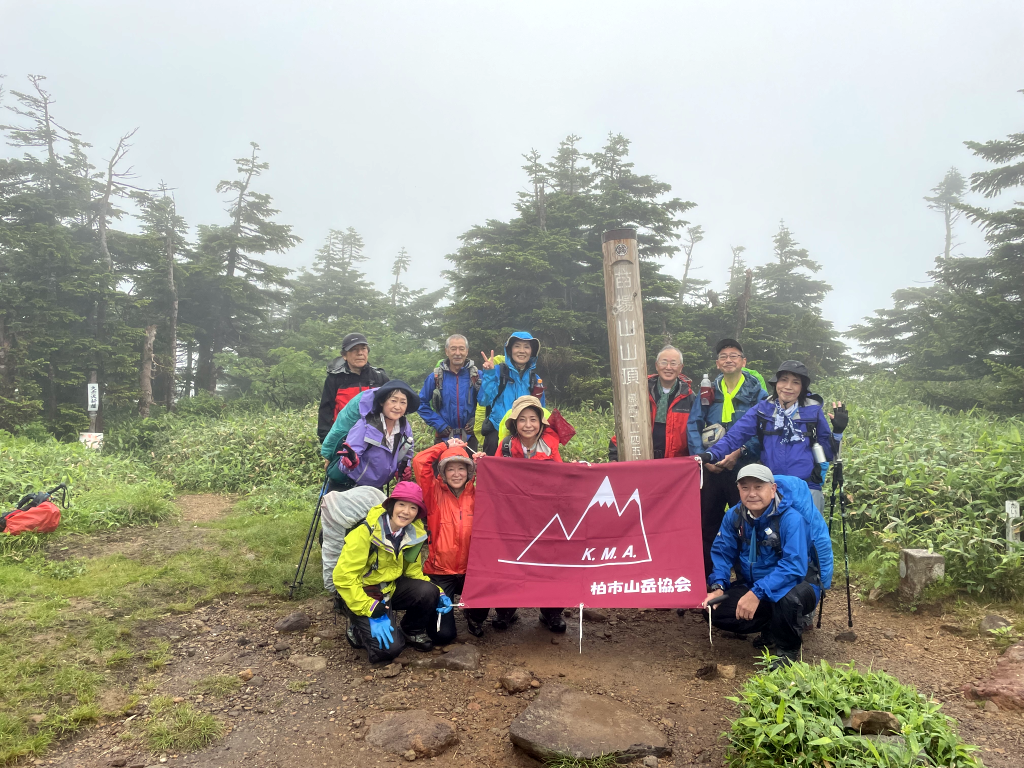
626,345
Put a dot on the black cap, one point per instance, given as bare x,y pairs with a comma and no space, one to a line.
793,366
353,340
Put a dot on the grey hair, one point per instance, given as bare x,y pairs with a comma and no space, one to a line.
670,348
455,336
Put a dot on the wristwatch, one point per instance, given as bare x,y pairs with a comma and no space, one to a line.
716,588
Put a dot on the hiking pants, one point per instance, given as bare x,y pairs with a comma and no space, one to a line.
783,620
506,614
718,494
418,599
452,585
490,435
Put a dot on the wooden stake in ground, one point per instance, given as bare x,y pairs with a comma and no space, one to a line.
626,345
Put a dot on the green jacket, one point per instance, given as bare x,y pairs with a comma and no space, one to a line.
360,567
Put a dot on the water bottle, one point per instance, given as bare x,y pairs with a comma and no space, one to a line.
818,452
707,392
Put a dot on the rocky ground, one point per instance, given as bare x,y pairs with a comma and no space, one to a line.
308,699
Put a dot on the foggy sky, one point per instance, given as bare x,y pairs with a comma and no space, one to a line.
407,120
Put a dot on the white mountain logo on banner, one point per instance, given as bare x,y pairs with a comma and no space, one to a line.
606,534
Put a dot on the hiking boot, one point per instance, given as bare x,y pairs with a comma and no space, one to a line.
555,623
681,611
785,659
764,640
419,640
475,628
503,621
350,635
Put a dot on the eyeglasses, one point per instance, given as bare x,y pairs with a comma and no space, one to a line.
723,358
669,364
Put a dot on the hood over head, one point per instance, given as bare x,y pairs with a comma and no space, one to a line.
383,392
524,336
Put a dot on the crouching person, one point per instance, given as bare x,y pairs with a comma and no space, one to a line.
379,572
767,543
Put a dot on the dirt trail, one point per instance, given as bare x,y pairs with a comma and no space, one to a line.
645,659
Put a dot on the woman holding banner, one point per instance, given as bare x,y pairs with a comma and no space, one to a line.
530,437
446,473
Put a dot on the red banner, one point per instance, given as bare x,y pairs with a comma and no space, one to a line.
620,535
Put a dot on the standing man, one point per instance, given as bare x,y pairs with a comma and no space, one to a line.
672,399
735,393
504,383
347,376
448,397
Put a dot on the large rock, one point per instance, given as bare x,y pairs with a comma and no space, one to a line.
918,569
561,721
293,622
308,663
459,657
1005,687
414,730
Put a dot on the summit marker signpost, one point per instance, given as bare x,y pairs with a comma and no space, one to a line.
626,345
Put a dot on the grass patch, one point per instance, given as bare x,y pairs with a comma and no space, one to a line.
792,716
217,685
567,761
180,727
297,686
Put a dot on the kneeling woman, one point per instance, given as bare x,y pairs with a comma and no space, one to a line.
529,438
379,572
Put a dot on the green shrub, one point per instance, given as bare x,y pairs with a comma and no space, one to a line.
793,716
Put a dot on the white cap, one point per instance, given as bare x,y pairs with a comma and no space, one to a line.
757,471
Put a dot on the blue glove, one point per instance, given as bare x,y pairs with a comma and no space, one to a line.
444,604
380,630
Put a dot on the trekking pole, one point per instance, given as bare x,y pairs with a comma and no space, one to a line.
846,552
837,473
307,549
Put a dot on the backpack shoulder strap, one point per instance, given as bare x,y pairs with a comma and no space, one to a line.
506,447
435,399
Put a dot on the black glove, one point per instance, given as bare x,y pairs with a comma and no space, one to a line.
706,457
840,420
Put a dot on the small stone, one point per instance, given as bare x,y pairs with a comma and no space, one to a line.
37,719
918,569
391,670
535,683
368,678
707,672
281,645
872,721
650,762
244,640
293,622
595,615
234,713
727,671
308,663
994,622
889,634
246,675
459,658
410,755
256,681
178,699
415,731
329,634
516,680
846,637
555,641
119,762
224,658
991,706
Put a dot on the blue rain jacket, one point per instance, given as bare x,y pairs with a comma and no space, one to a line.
517,386
458,399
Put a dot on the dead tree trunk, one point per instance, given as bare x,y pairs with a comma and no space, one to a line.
172,358
146,372
744,302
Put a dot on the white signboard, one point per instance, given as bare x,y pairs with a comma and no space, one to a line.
1012,517
94,397
92,440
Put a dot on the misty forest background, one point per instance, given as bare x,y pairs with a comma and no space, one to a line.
101,280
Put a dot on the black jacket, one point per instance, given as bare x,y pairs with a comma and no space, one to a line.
340,387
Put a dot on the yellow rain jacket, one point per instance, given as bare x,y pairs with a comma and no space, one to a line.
368,560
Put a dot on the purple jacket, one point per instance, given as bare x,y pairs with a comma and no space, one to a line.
377,465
